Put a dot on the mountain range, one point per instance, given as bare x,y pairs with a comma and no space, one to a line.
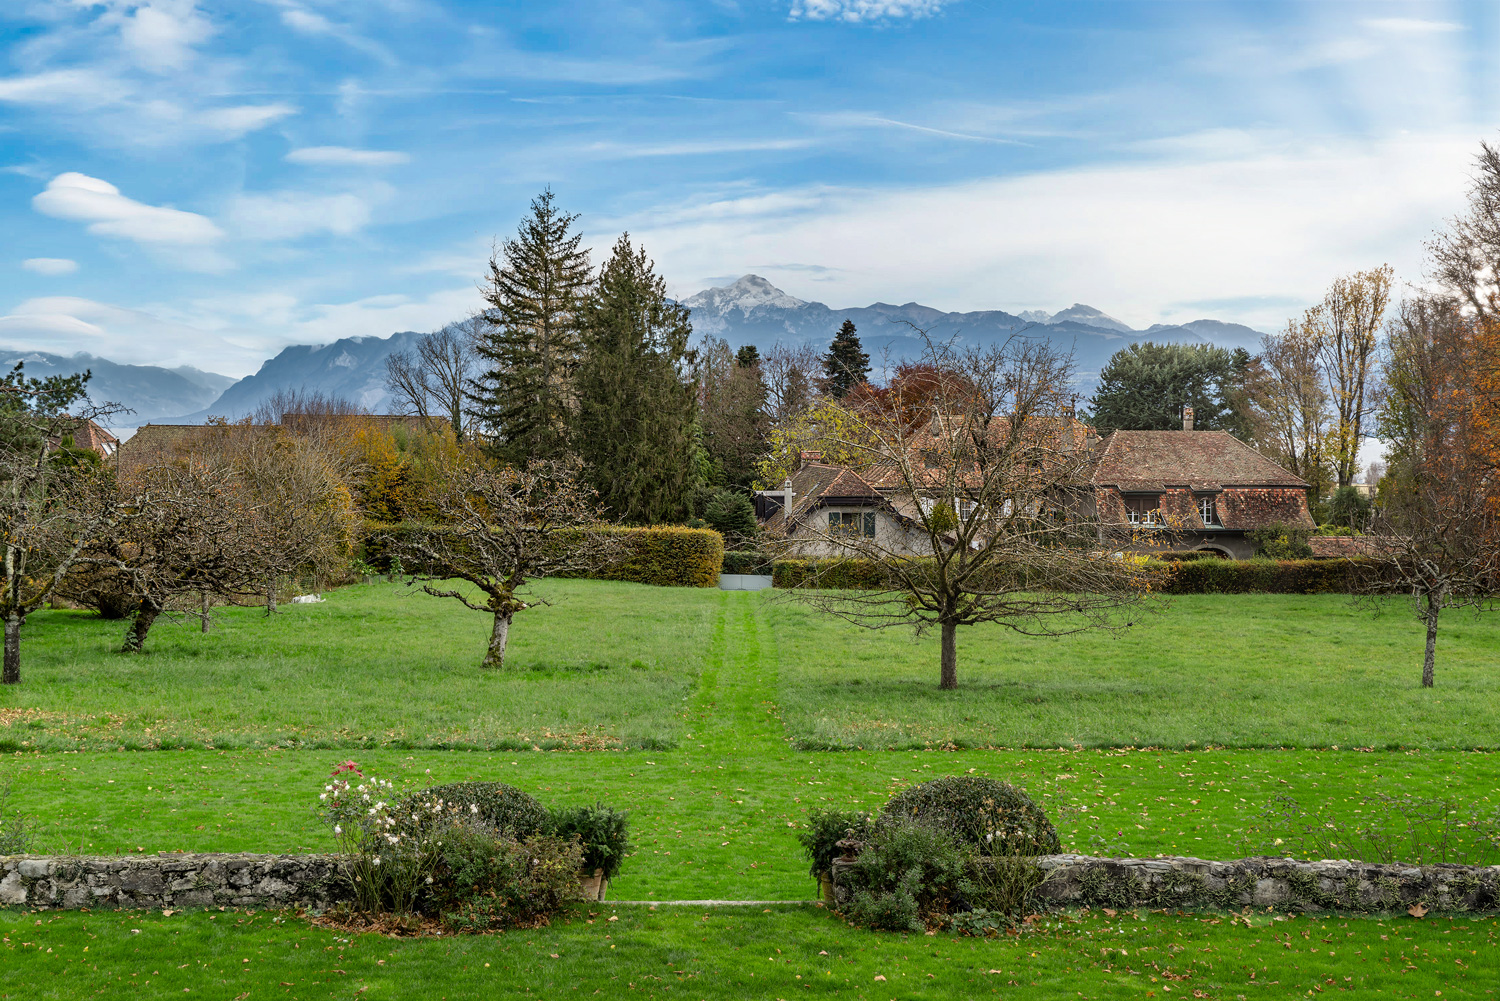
749,311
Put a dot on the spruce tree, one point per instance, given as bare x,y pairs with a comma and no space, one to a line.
637,407
845,365
529,350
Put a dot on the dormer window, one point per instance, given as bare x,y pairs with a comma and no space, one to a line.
1207,510
1143,509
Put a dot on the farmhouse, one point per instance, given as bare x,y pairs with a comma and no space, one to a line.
1193,490
86,435
820,500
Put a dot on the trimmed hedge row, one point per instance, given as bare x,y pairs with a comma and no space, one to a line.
668,556
1196,576
746,561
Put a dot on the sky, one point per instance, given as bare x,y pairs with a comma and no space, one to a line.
204,183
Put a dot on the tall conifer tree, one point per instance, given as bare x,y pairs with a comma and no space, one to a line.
636,399
529,351
845,365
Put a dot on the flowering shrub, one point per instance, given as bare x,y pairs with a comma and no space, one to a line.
478,854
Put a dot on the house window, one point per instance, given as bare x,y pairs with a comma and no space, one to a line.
1207,510
1143,510
852,523
965,509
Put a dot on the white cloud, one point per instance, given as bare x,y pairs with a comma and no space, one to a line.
343,156
1410,26
1148,241
286,215
237,120
74,89
306,21
855,11
50,266
80,198
161,34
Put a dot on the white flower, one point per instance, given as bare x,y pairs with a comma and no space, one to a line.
473,808
322,795
429,878
328,788
337,829
377,859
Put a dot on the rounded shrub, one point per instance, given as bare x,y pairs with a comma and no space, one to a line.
503,807
995,816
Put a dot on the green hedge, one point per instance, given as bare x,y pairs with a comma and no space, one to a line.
1196,576
746,561
669,556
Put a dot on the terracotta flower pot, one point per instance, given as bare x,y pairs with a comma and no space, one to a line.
595,886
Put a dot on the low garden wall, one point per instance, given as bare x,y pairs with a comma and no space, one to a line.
1197,884
171,881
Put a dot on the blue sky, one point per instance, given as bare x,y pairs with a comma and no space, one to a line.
206,182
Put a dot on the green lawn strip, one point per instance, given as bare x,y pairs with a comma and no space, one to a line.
1244,670
703,953
684,805
374,665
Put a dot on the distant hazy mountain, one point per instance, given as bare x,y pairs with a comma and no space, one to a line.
153,393
753,311
750,311
352,368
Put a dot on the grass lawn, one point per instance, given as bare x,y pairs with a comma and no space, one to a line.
728,692
373,665
1242,670
778,952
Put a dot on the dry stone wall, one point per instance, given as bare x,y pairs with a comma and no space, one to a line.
171,881
1192,883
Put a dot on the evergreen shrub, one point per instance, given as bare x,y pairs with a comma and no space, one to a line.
826,827
994,816
488,879
866,575
603,834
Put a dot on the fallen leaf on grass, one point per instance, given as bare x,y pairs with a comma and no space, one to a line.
1416,910
879,977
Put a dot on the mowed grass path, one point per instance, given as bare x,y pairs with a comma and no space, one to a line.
1244,670
373,665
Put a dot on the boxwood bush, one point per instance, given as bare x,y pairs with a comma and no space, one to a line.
994,816
603,834
503,807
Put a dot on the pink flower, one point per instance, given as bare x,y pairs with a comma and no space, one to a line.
348,766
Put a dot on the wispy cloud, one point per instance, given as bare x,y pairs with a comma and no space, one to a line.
290,215
162,34
855,11
1411,26
343,156
50,266
81,198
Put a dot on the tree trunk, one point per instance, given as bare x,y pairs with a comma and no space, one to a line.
204,621
1432,621
12,673
140,625
495,656
271,596
950,656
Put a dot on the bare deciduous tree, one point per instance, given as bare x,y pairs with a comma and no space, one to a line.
1439,525
1293,404
499,529
1466,257
181,537
51,505
434,379
791,376
991,489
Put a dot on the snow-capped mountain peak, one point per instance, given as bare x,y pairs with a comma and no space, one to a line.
749,293
1089,316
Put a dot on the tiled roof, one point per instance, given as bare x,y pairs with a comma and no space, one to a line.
1061,436
1151,461
87,434
816,484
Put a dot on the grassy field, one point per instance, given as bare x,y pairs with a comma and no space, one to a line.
734,699
1242,670
373,665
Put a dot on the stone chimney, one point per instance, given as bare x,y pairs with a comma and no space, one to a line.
1187,418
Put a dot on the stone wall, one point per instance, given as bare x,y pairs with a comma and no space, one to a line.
1191,883
171,881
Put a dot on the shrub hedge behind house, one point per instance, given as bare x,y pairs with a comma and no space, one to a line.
666,556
